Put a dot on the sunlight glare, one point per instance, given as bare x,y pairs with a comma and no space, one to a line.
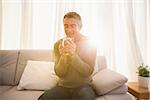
94,41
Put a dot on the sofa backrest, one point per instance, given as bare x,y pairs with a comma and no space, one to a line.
101,62
24,55
8,64
13,62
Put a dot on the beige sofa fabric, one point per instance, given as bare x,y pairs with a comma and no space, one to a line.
13,94
117,97
101,62
24,55
8,66
122,89
106,80
4,89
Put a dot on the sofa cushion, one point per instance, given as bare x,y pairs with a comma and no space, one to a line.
106,80
121,89
8,66
39,55
100,64
4,89
14,94
38,75
115,97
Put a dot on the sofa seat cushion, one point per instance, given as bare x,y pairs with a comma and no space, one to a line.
4,88
115,97
121,89
14,94
100,98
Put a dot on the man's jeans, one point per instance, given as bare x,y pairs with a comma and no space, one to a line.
62,93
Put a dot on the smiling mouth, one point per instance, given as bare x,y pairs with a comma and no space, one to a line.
69,34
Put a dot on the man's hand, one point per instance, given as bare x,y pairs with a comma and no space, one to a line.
69,48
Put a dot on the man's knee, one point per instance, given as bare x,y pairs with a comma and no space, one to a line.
85,93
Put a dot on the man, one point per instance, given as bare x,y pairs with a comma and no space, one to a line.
74,64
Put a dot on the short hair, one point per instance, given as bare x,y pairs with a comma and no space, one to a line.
73,15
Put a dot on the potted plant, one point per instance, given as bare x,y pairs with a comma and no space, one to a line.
143,72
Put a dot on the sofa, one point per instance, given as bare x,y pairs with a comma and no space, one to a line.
108,84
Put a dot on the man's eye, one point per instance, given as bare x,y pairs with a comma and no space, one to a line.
66,26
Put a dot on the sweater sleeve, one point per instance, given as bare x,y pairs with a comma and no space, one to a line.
60,67
85,61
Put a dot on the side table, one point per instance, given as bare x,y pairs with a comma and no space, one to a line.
137,91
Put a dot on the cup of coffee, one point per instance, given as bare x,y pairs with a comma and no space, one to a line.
65,39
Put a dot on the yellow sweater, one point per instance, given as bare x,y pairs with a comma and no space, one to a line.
78,71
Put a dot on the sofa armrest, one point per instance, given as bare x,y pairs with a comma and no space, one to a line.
106,80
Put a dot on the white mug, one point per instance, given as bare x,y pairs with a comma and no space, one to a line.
64,39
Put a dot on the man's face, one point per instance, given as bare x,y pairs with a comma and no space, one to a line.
71,27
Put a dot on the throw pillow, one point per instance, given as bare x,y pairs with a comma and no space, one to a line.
106,80
38,75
